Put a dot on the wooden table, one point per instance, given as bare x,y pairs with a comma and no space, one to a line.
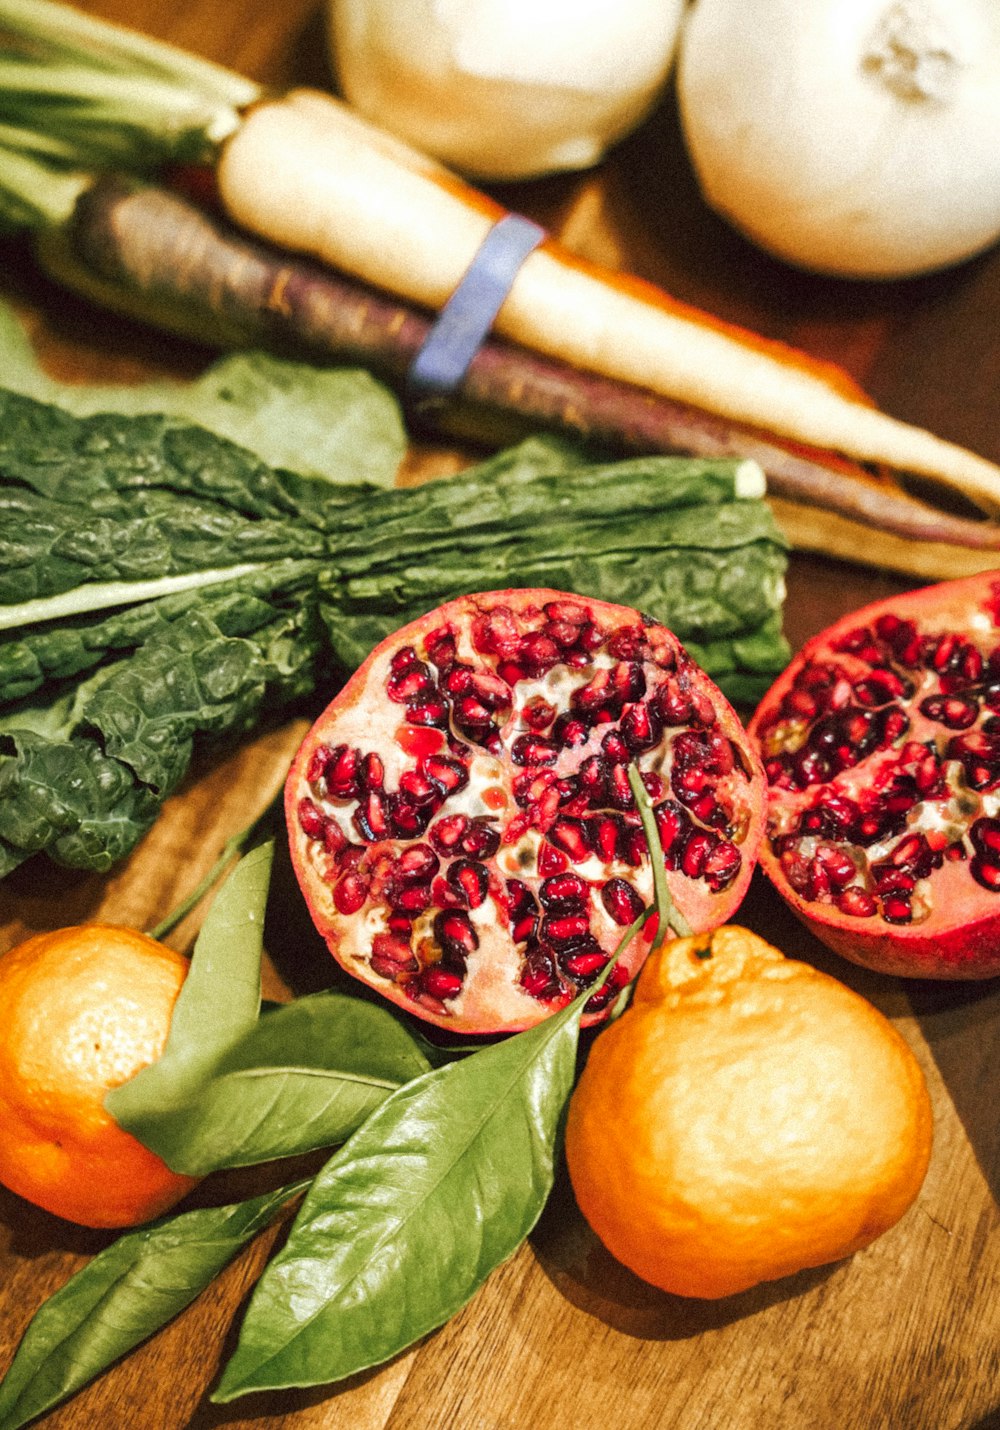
905,1334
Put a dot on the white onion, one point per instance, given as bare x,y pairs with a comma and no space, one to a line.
855,137
505,88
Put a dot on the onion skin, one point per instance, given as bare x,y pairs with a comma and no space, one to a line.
855,138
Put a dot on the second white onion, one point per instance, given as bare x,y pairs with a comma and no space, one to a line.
505,89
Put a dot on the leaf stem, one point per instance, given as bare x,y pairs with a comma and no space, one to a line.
670,915
231,850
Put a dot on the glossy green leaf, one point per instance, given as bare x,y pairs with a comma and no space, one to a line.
305,1076
128,1291
218,1003
441,1184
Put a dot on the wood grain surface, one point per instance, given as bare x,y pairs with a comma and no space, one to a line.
907,1333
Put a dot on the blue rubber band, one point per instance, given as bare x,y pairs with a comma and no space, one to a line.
466,319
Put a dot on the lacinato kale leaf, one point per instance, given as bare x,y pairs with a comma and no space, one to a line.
163,589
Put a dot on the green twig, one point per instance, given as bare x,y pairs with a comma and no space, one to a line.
231,850
670,914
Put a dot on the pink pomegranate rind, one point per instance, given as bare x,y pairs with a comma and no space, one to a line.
460,817
881,745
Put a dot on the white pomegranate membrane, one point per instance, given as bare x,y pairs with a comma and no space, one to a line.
881,746
461,818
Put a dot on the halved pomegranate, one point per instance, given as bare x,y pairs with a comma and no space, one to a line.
881,744
460,816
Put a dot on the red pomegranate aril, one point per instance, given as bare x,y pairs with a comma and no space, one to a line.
440,982
350,893
433,712
696,851
534,750
311,820
621,901
454,934
955,712
584,965
985,836
564,893
538,976
856,902
416,864
605,838
620,794
723,864
414,682
565,928
569,835
470,881
342,773
538,714
440,647
370,818
985,872
554,795
415,899
393,955
446,832
372,771
896,909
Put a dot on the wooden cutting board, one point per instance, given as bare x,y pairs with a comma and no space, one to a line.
903,1335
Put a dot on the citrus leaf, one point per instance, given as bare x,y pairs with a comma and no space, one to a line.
219,1000
403,1224
305,1076
128,1291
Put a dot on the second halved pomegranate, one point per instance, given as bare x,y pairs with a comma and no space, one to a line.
460,816
881,743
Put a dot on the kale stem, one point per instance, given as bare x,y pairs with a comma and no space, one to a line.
233,848
669,914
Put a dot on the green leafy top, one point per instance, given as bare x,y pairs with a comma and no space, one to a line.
79,94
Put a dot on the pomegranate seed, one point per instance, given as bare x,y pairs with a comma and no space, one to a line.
334,838
370,819
640,728
538,976
414,682
372,772
470,881
588,964
955,712
538,714
440,982
415,898
605,838
440,647
620,794
985,835
480,840
406,818
673,825
392,956
696,852
572,612
614,983
569,835
497,633
454,934
570,732
416,864
538,653
533,750
311,821
896,909
418,787
431,712
985,873
563,893
349,893
450,774
550,860
621,901
446,832
856,902
342,773
565,928
723,864
458,680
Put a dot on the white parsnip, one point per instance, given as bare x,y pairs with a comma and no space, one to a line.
306,173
